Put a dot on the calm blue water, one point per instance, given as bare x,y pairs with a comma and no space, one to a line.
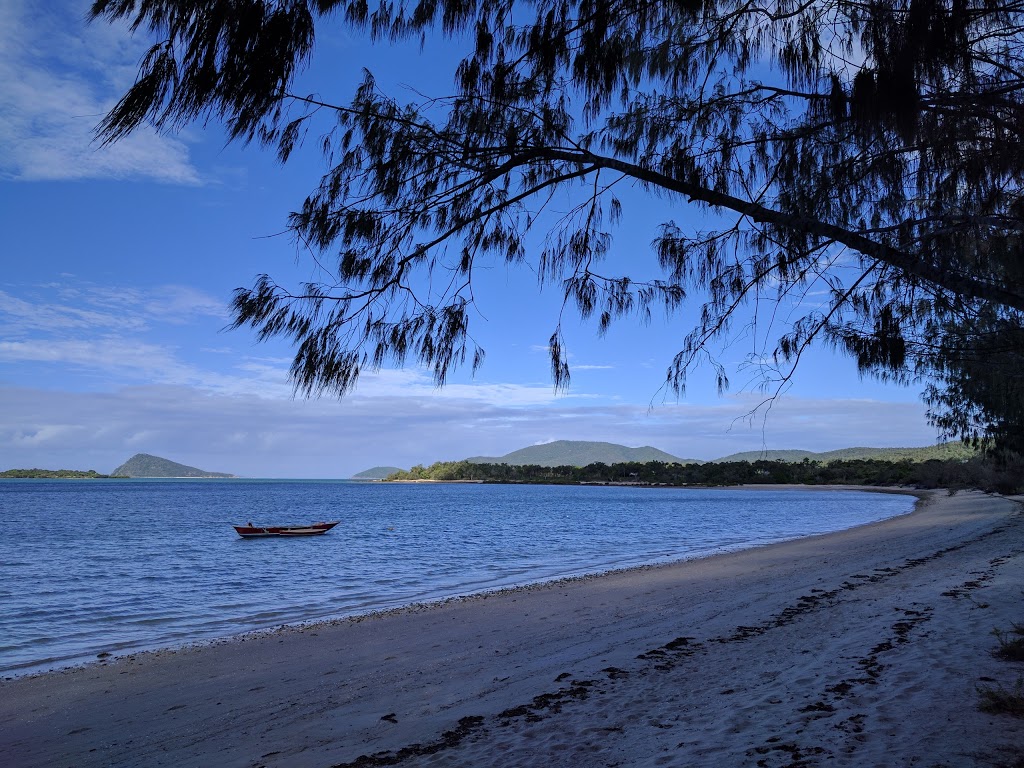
115,566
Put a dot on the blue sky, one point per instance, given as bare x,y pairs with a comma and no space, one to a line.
119,262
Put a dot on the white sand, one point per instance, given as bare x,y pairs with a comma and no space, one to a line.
861,648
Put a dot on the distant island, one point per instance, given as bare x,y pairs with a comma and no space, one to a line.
140,465
145,465
74,474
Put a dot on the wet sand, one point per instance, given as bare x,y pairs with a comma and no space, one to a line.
860,648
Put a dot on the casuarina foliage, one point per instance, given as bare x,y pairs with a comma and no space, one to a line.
868,152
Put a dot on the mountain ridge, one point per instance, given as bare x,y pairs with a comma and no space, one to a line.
376,473
572,452
950,450
580,453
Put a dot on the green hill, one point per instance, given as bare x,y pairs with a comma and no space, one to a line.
376,473
942,451
783,455
144,465
580,453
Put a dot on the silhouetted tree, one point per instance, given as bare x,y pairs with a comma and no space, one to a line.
868,152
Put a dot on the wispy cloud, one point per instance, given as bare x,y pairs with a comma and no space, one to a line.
58,77
416,382
21,316
110,336
83,308
174,304
117,335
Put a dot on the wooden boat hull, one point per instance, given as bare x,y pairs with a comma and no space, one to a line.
269,531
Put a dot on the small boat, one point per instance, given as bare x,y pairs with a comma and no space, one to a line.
250,531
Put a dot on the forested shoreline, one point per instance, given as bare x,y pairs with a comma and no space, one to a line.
75,474
980,473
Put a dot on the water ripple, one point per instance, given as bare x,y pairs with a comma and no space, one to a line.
150,564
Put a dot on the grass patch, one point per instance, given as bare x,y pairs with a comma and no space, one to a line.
1001,701
1011,644
1001,757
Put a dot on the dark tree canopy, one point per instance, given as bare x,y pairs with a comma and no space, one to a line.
872,148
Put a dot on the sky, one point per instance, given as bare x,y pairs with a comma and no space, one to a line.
119,263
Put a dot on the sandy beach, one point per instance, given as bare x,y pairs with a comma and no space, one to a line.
861,648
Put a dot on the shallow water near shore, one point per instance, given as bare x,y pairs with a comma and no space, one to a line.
90,567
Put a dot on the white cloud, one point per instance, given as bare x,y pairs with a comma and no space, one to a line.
226,409
58,77
280,437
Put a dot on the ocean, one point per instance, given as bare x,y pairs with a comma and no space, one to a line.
98,568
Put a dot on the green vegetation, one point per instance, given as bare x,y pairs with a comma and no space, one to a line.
1002,701
52,473
998,700
451,471
974,473
145,465
1011,644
